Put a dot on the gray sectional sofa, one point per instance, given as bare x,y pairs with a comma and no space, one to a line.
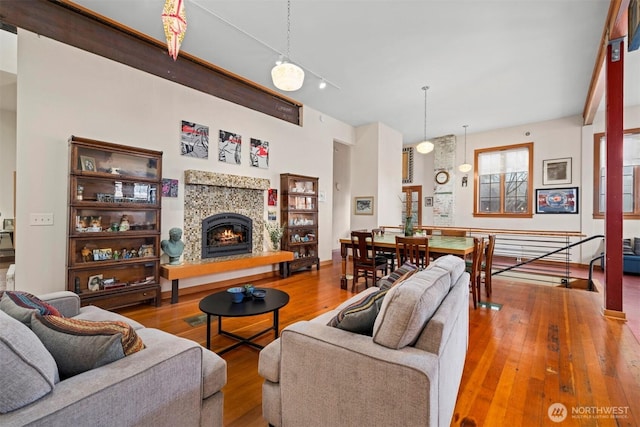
172,381
406,373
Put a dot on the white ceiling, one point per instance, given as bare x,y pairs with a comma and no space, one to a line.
489,64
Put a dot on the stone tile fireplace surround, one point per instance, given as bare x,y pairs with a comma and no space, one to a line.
209,193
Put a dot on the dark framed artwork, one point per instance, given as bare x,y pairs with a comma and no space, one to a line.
557,200
428,201
407,165
556,171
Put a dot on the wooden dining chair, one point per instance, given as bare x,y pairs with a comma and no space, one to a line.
487,263
365,261
390,256
474,269
413,249
454,233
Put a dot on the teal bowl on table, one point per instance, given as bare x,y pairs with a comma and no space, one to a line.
259,294
237,294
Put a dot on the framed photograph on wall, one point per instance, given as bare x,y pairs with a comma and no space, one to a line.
557,200
363,205
556,171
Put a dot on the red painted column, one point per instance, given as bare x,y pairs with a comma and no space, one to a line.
614,134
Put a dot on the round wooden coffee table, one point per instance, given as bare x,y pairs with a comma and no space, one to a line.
219,304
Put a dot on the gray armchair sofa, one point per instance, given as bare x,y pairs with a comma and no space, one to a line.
172,381
407,373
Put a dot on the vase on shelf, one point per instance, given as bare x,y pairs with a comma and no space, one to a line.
408,226
275,245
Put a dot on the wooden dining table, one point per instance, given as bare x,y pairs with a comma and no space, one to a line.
438,246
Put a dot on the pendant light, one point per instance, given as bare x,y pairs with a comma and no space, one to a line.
286,75
425,146
465,167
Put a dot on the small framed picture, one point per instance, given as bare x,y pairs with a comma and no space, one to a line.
94,282
102,254
88,163
557,200
556,171
363,205
428,201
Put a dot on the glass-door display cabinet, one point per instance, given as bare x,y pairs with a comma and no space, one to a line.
113,255
299,215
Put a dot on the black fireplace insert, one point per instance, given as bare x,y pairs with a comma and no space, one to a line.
226,234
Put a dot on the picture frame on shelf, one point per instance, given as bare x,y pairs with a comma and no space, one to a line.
556,171
103,254
88,164
94,282
557,200
363,205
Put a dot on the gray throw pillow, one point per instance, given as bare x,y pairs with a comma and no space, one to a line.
408,306
360,316
27,370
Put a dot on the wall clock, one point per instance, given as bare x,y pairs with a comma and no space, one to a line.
442,177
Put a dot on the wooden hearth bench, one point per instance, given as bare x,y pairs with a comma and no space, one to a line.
207,266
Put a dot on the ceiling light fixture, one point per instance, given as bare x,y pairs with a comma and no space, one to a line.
465,167
280,57
287,76
425,146
322,84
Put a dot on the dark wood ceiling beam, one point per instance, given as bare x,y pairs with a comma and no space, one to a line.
76,26
615,27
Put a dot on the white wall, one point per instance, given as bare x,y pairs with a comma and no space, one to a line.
64,91
388,204
376,170
364,174
341,192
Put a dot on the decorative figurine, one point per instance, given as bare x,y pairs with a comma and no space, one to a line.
174,246
86,254
124,223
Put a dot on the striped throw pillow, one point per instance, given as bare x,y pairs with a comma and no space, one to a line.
398,275
79,345
360,316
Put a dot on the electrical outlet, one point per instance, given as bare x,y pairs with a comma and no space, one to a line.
41,219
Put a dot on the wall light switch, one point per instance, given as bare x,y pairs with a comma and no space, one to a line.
41,219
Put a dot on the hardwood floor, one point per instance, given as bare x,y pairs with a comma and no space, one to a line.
545,345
